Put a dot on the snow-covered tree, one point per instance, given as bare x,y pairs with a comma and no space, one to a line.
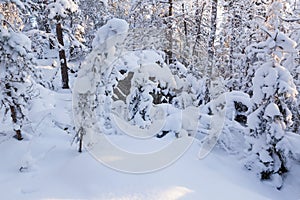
273,91
200,26
235,28
58,10
147,28
92,86
290,21
11,14
93,15
140,101
16,67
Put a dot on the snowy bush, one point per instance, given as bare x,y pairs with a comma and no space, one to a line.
149,81
236,106
190,86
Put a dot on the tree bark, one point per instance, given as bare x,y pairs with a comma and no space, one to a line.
211,47
198,18
184,22
80,139
62,57
13,111
170,33
14,119
212,37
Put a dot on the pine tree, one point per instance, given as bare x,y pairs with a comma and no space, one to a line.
16,67
139,105
58,11
273,92
291,59
93,15
235,28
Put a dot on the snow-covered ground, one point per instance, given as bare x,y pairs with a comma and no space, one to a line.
45,166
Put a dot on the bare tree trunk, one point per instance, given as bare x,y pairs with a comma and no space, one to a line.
184,22
13,111
80,132
14,119
62,56
170,33
232,41
212,37
198,19
211,48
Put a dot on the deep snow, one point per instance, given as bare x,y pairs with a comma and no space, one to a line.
45,166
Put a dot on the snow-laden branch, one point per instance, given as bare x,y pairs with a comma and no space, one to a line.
290,19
